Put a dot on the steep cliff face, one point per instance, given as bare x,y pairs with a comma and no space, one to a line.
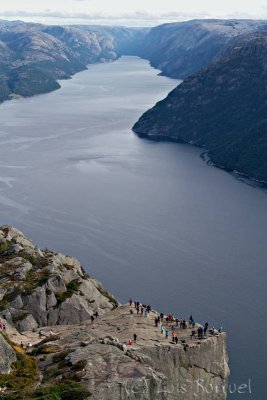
75,358
222,107
153,368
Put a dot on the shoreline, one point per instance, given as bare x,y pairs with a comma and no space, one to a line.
205,156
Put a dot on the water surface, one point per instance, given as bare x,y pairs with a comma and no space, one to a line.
150,220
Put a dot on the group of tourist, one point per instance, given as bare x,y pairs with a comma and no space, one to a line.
168,324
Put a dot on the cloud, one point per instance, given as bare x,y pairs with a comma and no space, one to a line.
138,18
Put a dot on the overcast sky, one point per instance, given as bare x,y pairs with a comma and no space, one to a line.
129,12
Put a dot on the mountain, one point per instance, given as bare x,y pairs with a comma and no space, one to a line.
182,48
34,56
223,107
52,349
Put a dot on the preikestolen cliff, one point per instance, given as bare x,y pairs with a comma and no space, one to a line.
110,138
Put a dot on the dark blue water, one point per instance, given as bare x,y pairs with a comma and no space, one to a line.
150,220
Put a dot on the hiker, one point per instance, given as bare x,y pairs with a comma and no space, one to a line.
142,310
200,332
92,318
156,322
130,302
96,314
166,334
191,319
135,337
21,344
220,330
193,323
161,316
149,308
161,329
146,312
206,328
176,339
130,342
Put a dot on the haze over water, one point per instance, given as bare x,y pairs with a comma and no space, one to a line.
150,220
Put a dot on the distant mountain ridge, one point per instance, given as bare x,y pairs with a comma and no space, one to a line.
183,48
34,56
222,107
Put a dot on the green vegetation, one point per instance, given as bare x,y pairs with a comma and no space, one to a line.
109,296
222,107
60,391
24,375
3,246
46,348
72,287
36,261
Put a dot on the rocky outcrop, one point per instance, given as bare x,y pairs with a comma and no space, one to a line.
153,368
7,356
61,351
40,288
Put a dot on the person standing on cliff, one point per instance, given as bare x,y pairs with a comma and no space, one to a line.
206,328
130,302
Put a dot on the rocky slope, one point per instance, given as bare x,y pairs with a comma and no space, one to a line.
222,107
40,288
79,359
183,48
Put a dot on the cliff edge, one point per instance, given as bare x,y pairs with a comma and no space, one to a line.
64,337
